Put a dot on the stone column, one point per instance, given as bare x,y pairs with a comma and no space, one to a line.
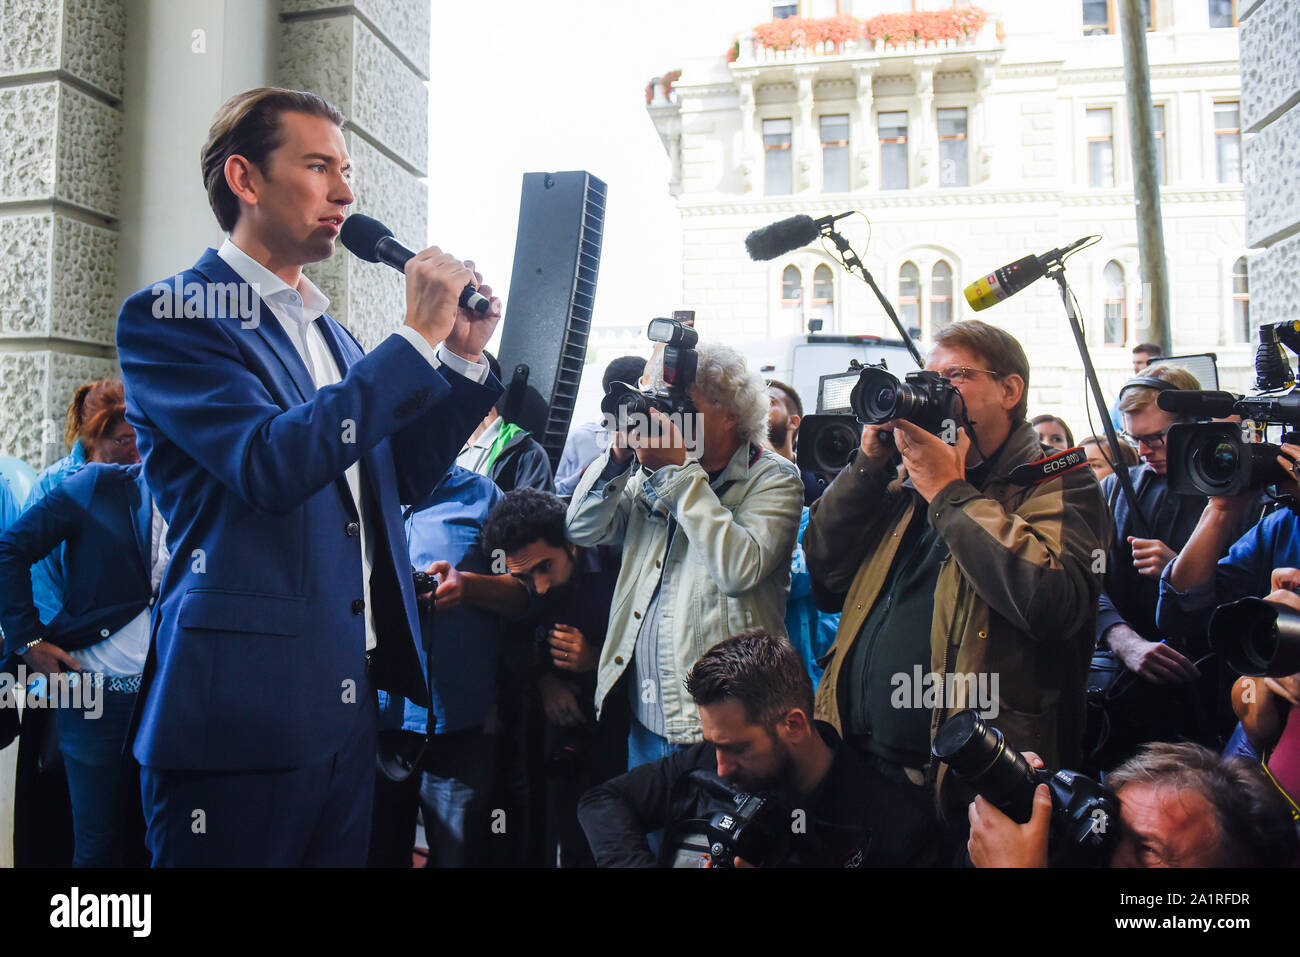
807,139
922,128
863,142
1270,88
371,60
748,160
60,126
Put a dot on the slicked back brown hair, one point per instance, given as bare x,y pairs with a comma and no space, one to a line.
1000,350
248,125
760,670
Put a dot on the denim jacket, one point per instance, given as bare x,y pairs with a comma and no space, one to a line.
725,569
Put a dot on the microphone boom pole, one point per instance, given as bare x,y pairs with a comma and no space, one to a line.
850,259
1056,269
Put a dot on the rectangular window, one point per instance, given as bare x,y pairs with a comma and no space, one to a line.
781,11
1096,18
1100,17
1227,141
1101,147
777,168
1223,13
952,148
893,150
1158,131
835,153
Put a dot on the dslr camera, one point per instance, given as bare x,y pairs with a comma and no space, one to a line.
1085,815
1214,458
623,400
874,396
749,826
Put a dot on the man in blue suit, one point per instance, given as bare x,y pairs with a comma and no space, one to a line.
280,456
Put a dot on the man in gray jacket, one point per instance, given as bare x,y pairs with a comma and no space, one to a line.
707,528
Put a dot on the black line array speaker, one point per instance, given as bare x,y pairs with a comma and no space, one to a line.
548,314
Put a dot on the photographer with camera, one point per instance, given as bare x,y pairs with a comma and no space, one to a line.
707,537
948,566
1203,576
805,800
1168,699
1180,805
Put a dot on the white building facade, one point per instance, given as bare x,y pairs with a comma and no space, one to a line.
966,154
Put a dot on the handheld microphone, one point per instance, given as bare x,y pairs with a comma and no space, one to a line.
1198,402
371,240
1009,280
786,236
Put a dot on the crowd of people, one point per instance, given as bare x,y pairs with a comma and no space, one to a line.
303,605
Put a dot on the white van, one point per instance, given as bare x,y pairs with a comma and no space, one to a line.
801,360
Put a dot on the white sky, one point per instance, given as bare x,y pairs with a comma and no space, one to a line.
559,85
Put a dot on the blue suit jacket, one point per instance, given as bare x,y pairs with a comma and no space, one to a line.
103,513
258,652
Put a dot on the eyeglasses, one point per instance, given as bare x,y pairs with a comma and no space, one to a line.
1155,441
965,373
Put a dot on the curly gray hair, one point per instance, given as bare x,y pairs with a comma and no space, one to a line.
722,378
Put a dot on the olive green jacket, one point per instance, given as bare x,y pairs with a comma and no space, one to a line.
1016,597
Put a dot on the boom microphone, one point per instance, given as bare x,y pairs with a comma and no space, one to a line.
786,236
371,240
1198,402
1009,280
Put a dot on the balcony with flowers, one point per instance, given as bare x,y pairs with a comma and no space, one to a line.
796,41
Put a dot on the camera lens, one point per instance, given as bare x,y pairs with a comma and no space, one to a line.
978,754
876,396
1221,463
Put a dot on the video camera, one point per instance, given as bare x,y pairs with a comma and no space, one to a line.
1213,458
1085,815
874,396
623,400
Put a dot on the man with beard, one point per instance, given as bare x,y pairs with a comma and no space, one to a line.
564,749
783,431
755,701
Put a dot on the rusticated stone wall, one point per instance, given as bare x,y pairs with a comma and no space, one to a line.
371,59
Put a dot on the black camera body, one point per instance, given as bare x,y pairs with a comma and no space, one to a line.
1212,458
424,582
757,830
1085,814
827,440
624,402
923,398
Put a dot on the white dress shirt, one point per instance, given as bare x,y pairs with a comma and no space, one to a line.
297,311
123,652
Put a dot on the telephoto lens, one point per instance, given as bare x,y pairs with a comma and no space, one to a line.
1257,637
979,755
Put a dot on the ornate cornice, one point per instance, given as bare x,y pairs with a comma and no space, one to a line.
911,199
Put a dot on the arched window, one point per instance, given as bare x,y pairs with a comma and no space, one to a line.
909,297
1241,299
823,297
940,297
1112,277
792,297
